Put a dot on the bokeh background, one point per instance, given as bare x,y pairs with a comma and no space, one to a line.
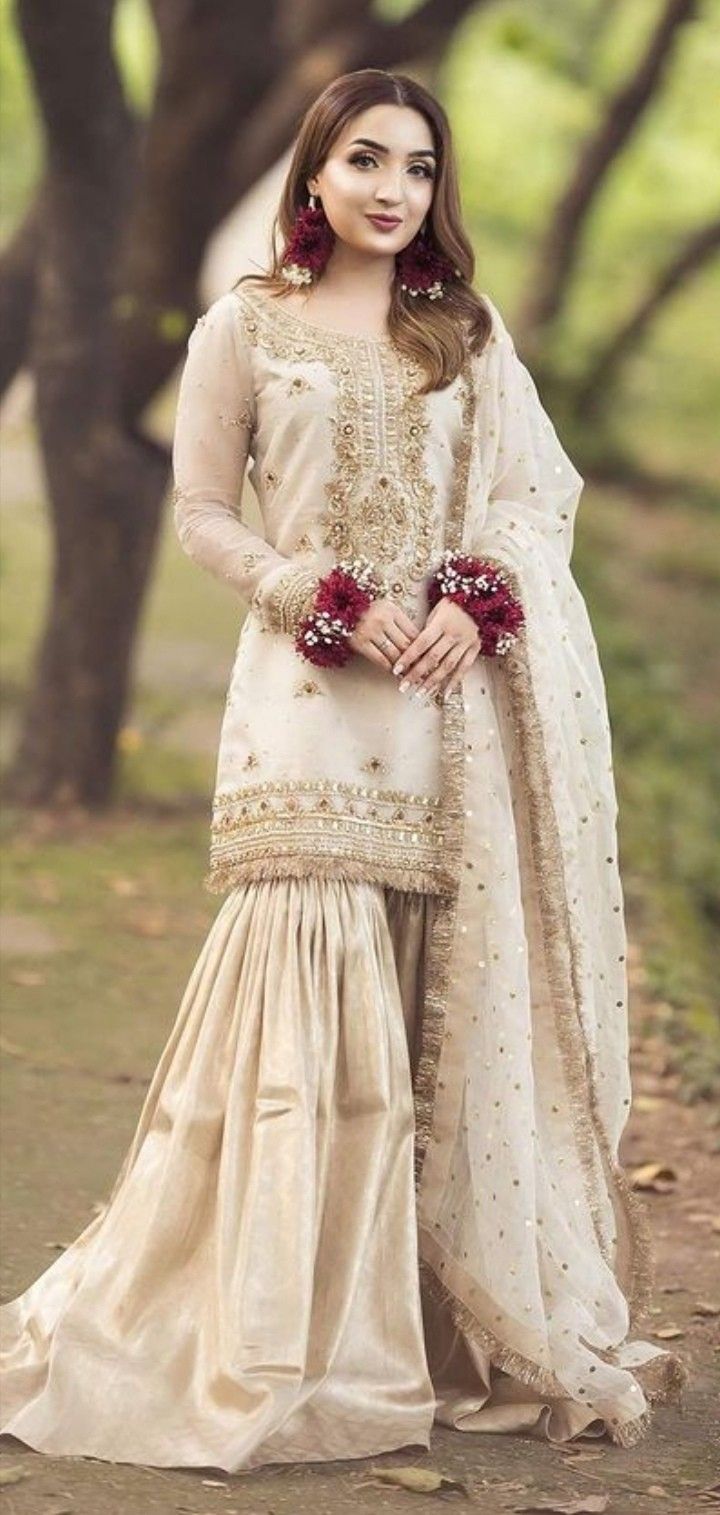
143,148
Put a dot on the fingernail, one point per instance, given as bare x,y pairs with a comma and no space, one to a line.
402,687
397,668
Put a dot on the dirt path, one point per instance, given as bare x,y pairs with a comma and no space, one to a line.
89,1120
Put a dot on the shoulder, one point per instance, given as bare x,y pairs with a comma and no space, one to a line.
219,334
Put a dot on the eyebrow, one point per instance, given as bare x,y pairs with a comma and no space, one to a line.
421,152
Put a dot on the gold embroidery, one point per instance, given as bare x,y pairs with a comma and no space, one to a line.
374,765
251,761
325,828
307,686
244,418
381,499
452,784
284,607
304,544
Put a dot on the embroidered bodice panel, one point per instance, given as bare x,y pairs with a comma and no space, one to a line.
345,457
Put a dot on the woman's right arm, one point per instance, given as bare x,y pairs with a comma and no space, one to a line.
214,425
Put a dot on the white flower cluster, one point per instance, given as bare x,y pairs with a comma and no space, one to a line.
294,273
325,628
363,572
450,579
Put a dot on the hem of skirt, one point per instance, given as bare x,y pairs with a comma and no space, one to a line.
226,875
255,1460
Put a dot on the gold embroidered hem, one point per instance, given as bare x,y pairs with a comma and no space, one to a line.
327,829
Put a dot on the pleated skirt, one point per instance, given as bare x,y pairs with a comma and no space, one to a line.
250,1294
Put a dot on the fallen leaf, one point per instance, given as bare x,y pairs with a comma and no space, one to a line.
588,1504
151,923
12,1475
418,1480
673,1289
213,1483
27,978
658,1490
648,1102
667,1333
658,1177
129,739
126,888
706,1307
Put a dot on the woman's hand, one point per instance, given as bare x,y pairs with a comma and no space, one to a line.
382,633
442,652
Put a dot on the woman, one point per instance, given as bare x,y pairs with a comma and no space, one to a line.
375,1182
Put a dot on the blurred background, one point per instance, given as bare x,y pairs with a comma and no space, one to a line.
144,143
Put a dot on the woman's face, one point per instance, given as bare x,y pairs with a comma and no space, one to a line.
383,164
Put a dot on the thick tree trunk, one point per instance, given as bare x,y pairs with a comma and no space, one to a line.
105,487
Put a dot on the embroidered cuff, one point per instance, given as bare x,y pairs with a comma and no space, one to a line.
486,589
284,605
342,596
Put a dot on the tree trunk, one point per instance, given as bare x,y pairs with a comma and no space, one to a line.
105,487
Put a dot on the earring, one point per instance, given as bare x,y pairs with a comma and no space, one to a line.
309,246
423,270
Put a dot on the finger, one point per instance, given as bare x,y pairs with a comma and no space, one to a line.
466,662
408,663
405,623
368,649
391,640
450,662
433,660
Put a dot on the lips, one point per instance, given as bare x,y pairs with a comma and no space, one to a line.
387,221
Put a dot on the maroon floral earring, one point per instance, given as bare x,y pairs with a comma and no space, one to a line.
310,245
423,270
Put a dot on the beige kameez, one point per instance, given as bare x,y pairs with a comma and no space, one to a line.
374,1182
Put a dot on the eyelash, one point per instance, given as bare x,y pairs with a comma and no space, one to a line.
427,172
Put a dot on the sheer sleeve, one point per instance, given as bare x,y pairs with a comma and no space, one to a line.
214,427
532,477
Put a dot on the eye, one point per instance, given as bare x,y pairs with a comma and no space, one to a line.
357,156
426,171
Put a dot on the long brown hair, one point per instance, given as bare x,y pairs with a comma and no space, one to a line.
436,333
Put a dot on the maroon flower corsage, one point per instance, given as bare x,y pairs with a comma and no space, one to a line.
483,589
341,598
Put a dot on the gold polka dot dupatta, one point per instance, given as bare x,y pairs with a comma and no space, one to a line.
529,1232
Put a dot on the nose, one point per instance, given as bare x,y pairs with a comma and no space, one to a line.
390,191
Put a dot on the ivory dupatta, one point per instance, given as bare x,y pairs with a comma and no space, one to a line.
528,1228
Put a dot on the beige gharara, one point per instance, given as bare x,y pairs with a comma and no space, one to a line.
318,1244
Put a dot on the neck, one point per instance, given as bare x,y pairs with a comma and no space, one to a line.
350,271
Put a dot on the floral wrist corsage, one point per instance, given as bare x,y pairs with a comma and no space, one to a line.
341,598
483,589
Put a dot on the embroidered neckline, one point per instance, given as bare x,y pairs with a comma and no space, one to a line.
270,305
